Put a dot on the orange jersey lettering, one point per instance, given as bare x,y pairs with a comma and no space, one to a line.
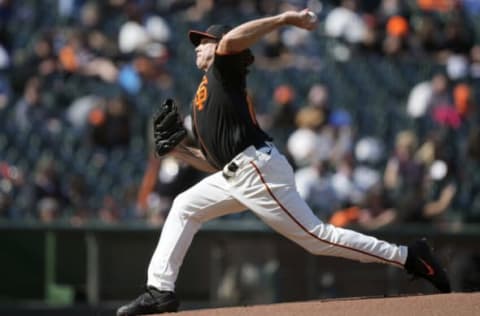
201,95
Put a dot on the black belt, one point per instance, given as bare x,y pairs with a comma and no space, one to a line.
260,145
232,167
264,145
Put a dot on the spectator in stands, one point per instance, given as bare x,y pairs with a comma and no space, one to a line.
377,209
48,210
78,56
109,212
332,138
441,189
48,186
338,132
475,61
41,61
315,114
373,212
14,187
465,105
77,113
143,31
373,208
318,96
173,178
395,42
369,156
390,8
7,177
46,195
304,144
345,186
110,127
440,90
403,177
302,148
345,23
437,192
426,39
274,54
162,181
29,110
283,111
458,38
314,184
440,182
424,98
128,201
151,68
77,195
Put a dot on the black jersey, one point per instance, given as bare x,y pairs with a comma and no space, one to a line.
223,116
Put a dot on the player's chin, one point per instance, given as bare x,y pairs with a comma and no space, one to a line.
199,64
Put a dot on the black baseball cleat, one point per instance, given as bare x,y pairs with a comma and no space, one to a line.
421,263
153,301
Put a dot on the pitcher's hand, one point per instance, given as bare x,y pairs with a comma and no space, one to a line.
304,19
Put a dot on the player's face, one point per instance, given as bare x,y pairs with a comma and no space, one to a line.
205,52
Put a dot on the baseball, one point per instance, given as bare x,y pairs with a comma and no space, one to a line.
313,16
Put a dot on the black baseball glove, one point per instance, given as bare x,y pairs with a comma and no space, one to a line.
168,129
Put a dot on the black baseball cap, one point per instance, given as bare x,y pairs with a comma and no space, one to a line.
215,31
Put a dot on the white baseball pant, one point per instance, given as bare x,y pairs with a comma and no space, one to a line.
263,183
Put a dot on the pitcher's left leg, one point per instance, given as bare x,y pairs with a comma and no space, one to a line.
208,199
269,191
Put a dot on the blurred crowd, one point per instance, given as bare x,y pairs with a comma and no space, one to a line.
377,109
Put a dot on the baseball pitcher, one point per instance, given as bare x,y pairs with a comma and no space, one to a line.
248,172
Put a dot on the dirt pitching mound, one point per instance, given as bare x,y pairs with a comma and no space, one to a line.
454,304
